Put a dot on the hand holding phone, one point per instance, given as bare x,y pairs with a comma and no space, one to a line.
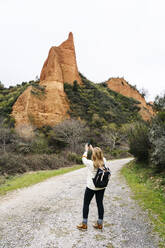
86,147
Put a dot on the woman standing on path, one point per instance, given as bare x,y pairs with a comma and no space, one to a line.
98,161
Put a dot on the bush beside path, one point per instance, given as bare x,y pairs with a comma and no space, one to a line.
45,215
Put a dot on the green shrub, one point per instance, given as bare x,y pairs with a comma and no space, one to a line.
8,97
12,164
22,147
159,103
70,133
157,134
117,153
73,157
139,143
40,146
1,86
158,153
2,180
157,139
8,139
37,89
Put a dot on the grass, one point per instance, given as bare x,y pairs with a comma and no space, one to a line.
28,179
149,190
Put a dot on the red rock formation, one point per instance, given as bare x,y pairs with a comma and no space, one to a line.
121,86
61,63
50,108
32,110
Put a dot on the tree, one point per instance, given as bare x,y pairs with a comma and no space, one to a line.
113,135
97,121
159,103
143,92
139,143
37,79
75,86
5,137
157,140
70,132
1,86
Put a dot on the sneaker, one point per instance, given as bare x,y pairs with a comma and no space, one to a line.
82,226
98,226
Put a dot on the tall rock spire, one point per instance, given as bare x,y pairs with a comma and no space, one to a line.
61,63
34,109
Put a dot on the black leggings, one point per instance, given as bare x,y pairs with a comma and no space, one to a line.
99,194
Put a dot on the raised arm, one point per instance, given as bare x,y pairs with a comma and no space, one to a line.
105,161
87,162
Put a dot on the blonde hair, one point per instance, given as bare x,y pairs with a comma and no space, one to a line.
97,157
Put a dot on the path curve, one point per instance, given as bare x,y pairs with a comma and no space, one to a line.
45,215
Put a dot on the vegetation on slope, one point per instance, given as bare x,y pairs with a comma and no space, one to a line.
8,97
100,106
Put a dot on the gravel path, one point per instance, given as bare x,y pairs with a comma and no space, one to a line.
46,214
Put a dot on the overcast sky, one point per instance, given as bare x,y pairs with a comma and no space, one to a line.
112,38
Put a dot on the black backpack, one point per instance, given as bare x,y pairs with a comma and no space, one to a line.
101,178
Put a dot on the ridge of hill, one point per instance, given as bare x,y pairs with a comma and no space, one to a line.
98,105
121,86
94,103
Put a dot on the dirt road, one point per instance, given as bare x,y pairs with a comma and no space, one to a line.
46,214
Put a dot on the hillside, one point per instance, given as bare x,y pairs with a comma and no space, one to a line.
84,102
8,96
121,86
99,106
63,92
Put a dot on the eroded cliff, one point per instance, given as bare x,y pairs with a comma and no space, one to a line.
49,107
121,86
